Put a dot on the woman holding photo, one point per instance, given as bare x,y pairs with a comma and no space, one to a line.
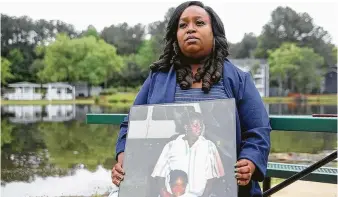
194,67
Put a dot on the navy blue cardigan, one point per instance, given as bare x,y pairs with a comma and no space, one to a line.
252,120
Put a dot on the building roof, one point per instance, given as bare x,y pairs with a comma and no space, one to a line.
24,84
57,85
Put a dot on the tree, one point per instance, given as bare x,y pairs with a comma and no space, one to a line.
286,25
126,39
157,31
295,68
23,35
91,31
147,54
81,59
132,74
245,48
5,71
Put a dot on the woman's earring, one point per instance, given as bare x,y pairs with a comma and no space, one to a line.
214,47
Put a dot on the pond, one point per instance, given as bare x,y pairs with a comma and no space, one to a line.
51,151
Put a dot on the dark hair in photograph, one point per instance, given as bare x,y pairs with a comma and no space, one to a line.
175,174
187,117
211,71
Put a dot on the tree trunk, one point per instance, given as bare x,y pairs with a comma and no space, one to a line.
292,86
106,82
280,86
89,87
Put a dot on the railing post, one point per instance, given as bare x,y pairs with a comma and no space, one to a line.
301,174
266,184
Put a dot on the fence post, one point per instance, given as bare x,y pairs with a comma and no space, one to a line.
266,184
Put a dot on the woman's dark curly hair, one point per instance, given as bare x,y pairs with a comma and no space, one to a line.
211,71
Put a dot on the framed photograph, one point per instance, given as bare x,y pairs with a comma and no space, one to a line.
186,150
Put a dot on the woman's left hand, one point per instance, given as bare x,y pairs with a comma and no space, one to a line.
244,169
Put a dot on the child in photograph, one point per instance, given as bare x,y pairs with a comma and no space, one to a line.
178,181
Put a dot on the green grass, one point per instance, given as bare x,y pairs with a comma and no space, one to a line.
121,97
278,99
322,99
311,100
126,99
46,102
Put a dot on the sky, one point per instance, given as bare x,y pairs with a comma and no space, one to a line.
239,17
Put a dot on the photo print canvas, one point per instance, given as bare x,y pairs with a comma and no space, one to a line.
181,150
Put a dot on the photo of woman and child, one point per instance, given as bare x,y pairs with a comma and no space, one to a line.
188,165
181,152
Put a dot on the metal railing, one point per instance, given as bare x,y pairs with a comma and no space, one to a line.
314,123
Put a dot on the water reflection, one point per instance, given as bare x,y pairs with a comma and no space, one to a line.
23,113
300,109
81,183
55,147
51,151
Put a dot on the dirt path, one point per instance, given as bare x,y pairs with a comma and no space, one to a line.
308,189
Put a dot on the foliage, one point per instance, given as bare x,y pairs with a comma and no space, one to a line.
286,25
126,39
245,48
19,38
82,59
5,71
299,65
120,55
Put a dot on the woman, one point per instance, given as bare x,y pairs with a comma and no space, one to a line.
194,67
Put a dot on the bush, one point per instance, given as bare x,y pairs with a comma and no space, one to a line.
96,99
109,91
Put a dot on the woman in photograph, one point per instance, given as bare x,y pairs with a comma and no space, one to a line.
190,152
194,67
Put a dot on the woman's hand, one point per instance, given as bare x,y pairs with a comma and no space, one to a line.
244,170
117,171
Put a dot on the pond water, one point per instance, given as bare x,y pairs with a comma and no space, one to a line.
51,151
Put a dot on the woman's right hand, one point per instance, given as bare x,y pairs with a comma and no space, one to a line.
117,173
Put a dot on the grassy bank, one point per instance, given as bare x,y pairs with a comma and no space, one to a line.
125,99
46,102
310,100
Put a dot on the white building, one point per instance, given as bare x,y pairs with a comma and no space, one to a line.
23,91
37,113
24,113
59,113
59,91
260,70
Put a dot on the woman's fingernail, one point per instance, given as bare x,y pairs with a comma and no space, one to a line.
236,170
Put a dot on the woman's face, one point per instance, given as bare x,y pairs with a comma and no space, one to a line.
194,33
194,129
